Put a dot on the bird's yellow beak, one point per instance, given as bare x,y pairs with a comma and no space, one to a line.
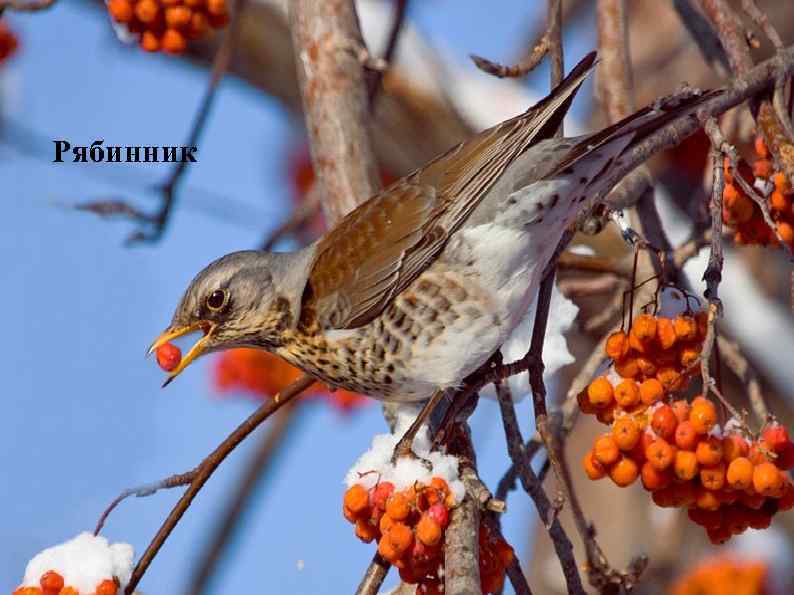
198,348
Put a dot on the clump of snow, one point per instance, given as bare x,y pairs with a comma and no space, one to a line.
562,313
83,562
375,465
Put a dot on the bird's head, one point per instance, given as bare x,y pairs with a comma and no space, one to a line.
244,299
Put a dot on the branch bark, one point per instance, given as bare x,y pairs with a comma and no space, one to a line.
328,43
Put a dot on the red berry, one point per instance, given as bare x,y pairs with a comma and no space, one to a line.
168,356
381,493
439,513
776,437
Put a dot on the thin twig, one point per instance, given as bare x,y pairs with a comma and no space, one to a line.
531,484
173,481
539,50
207,467
375,77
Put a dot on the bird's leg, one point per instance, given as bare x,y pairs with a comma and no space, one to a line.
403,448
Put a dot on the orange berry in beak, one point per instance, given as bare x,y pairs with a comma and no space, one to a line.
168,356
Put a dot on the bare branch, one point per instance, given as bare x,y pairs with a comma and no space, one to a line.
373,576
539,50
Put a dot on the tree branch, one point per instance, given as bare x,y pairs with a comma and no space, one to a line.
327,41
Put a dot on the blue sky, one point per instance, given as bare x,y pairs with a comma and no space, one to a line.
84,416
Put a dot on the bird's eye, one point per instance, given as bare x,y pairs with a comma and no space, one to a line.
218,300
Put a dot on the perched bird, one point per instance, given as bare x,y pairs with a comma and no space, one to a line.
419,286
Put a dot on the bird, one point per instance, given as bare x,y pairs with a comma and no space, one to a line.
420,285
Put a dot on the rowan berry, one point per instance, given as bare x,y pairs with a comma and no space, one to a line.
51,582
400,537
606,450
670,378
651,391
428,531
606,415
767,479
685,436
174,42
627,367
439,513
762,168
150,41
147,11
398,506
779,202
178,17
703,416
617,346
653,479
706,499
216,7
713,478
665,332
685,466
660,454
709,451
168,356
365,531
776,437
786,232
740,473
624,472
600,392
646,366
357,500
689,356
685,328
626,433
381,493
121,10
627,394
664,422
644,327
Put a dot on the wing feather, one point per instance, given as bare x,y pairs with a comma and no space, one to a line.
382,246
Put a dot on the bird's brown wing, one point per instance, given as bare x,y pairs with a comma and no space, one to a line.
378,249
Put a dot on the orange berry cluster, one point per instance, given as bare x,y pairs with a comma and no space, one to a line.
8,42
740,212
728,483
409,528
654,359
724,575
167,25
51,583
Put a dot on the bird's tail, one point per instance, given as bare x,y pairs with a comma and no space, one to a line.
639,125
